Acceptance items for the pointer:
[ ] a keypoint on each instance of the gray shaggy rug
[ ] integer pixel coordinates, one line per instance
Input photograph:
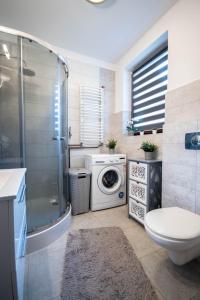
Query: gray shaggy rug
(100, 264)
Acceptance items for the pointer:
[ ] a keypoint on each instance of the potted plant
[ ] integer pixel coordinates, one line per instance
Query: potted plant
(111, 144)
(149, 149)
(131, 127)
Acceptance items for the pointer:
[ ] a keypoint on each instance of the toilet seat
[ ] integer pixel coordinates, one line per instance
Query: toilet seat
(177, 230)
(173, 223)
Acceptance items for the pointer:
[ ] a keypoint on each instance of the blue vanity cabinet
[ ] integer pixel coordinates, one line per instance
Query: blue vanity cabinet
(13, 243)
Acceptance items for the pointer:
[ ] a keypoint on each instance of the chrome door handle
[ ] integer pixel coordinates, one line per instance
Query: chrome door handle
(54, 138)
(62, 138)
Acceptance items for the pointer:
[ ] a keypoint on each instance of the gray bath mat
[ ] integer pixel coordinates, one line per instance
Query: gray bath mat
(100, 264)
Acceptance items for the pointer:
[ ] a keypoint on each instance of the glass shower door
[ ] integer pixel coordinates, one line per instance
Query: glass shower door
(64, 138)
(43, 135)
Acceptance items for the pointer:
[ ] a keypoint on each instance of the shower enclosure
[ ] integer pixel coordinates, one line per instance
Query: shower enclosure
(33, 125)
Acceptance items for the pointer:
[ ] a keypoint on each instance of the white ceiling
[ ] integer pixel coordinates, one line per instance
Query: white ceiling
(104, 31)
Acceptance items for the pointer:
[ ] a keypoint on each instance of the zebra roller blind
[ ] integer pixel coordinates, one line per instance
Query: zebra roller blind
(91, 116)
(149, 86)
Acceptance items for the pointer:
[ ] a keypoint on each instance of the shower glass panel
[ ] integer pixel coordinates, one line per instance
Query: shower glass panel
(33, 125)
(10, 96)
(44, 142)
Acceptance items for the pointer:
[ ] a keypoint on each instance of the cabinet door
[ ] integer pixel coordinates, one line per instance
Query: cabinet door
(20, 272)
(20, 263)
(138, 191)
(138, 171)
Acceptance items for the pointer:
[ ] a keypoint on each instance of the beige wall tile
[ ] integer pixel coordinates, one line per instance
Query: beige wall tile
(179, 174)
(183, 113)
(77, 156)
(176, 195)
(180, 165)
(198, 189)
(176, 153)
(175, 132)
(185, 94)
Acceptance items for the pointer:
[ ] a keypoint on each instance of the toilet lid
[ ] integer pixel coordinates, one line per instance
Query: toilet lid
(173, 222)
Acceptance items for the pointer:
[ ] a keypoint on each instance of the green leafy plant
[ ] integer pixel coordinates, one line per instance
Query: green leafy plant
(111, 144)
(148, 146)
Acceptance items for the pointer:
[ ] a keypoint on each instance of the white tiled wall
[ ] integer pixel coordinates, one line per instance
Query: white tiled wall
(79, 74)
(85, 74)
(77, 156)
(181, 176)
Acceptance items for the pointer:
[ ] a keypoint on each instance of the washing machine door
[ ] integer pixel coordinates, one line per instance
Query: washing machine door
(110, 180)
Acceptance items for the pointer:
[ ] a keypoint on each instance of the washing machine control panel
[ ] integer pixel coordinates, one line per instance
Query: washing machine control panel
(114, 161)
(117, 160)
(109, 159)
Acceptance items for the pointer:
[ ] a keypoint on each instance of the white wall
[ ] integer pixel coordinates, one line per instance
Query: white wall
(80, 73)
(182, 22)
(84, 70)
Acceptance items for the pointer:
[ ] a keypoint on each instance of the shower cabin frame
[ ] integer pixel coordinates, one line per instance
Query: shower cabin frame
(45, 235)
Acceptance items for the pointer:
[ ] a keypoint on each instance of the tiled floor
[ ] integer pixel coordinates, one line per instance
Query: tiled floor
(44, 267)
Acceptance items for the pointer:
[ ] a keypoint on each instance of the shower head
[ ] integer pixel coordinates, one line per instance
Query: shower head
(28, 72)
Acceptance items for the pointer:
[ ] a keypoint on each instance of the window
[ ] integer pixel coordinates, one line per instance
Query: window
(149, 86)
(91, 116)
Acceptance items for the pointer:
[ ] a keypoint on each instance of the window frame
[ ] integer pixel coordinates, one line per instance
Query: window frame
(141, 64)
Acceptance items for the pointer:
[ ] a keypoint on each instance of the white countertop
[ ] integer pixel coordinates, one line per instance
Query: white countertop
(10, 180)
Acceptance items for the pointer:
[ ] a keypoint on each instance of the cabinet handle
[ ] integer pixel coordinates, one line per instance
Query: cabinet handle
(24, 242)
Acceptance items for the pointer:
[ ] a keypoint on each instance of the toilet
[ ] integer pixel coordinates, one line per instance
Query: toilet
(177, 230)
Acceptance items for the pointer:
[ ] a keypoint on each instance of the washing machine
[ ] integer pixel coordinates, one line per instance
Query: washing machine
(108, 183)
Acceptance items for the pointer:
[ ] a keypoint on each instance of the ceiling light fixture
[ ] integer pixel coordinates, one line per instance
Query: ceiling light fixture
(96, 1)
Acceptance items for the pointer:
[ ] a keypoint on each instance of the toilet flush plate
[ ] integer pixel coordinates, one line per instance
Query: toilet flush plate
(192, 141)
